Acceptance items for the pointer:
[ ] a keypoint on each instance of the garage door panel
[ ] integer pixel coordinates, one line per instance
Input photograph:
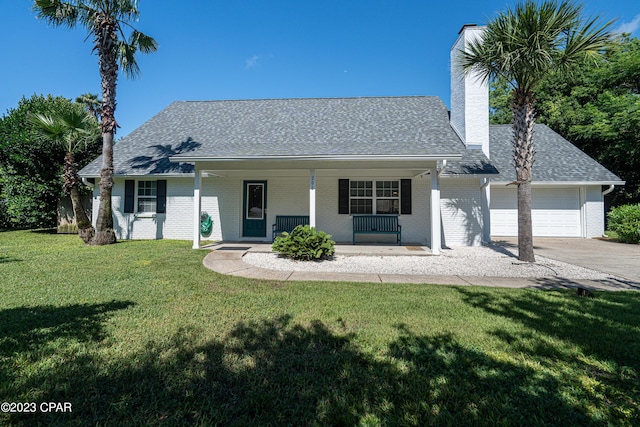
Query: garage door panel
(555, 212)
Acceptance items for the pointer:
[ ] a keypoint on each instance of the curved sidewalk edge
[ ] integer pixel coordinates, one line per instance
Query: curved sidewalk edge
(231, 263)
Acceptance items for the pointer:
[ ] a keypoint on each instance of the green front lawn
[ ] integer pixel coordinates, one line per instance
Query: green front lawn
(141, 333)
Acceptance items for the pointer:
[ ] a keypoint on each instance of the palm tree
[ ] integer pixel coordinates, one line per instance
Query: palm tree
(106, 21)
(71, 130)
(523, 45)
(91, 104)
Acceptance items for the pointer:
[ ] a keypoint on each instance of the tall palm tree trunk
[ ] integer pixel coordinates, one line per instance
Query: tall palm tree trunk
(523, 124)
(72, 183)
(106, 44)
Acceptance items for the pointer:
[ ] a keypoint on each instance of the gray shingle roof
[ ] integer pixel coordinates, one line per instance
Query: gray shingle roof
(473, 162)
(407, 126)
(556, 159)
(387, 126)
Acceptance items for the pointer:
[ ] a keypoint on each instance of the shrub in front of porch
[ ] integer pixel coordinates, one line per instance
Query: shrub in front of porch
(305, 243)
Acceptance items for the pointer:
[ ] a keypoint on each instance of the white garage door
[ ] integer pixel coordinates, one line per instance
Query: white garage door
(555, 211)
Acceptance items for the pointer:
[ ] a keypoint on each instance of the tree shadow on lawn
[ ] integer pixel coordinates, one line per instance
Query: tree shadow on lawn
(24, 329)
(599, 337)
(606, 326)
(29, 335)
(275, 372)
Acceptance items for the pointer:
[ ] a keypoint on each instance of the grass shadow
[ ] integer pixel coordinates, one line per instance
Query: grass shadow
(593, 325)
(598, 338)
(276, 372)
(31, 329)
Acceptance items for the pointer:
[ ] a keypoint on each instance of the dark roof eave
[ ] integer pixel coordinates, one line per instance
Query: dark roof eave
(471, 174)
(560, 183)
(354, 157)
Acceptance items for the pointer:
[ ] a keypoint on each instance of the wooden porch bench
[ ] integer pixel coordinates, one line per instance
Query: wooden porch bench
(377, 224)
(287, 223)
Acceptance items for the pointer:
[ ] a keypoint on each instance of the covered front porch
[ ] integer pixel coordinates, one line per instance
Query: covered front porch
(247, 195)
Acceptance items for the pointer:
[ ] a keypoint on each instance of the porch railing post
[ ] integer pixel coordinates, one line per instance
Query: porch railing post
(312, 197)
(197, 203)
(436, 241)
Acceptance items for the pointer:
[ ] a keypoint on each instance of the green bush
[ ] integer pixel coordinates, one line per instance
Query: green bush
(625, 221)
(305, 243)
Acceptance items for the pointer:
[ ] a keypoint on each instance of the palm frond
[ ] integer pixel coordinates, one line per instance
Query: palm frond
(92, 14)
(46, 126)
(57, 12)
(127, 57)
(70, 129)
(589, 39)
(127, 10)
(526, 42)
(143, 42)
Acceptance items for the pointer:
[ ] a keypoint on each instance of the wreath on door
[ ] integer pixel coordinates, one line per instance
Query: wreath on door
(206, 224)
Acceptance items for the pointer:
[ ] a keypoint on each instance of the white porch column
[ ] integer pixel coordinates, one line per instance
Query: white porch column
(197, 203)
(436, 241)
(312, 197)
(485, 194)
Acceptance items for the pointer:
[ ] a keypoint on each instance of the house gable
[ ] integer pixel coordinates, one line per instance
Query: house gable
(351, 128)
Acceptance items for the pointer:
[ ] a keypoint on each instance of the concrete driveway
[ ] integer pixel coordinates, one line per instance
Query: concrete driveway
(619, 259)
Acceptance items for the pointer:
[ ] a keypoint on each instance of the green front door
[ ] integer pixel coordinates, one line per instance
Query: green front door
(254, 215)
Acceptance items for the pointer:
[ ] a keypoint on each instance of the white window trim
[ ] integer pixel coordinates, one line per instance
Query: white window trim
(374, 196)
(145, 214)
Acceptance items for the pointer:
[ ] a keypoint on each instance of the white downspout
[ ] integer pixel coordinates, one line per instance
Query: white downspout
(86, 182)
(444, 165)
(604, 193)
(485, 194)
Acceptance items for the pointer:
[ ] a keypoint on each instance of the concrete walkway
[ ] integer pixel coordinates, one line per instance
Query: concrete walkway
(227, 259)
(618, 259)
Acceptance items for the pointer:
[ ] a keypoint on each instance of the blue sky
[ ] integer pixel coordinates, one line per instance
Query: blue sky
(249, 49)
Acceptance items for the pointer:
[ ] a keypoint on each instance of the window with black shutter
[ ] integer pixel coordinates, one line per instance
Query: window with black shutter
(129, 195)
(343, 196)
(149, 197)
(366, 197)
(162, 196)
(405, 196)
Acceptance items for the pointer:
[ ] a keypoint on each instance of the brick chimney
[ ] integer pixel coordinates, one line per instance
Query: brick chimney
(469, 96)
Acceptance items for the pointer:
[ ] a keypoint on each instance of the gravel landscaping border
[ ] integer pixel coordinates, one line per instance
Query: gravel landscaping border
(460, 261)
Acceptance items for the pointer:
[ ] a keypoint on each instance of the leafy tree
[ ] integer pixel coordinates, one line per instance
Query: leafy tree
(597, 108)
(73, 130)
(500, 102)
(30, 167)
(522, 45)
(106, 21)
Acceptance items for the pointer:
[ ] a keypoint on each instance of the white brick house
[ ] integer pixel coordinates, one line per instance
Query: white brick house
(443, 175)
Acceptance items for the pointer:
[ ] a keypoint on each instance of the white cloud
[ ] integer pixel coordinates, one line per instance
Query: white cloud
(252, 62)
(629, 27)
